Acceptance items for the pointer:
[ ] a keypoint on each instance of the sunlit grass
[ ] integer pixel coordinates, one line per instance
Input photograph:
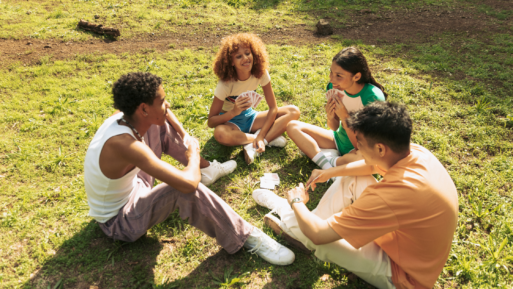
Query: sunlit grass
(457, 89)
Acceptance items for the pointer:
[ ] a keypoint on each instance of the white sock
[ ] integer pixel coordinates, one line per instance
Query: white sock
(322, 161)
(333, 161)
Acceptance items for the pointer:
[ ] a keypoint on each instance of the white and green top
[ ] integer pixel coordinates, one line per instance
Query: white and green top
(367, 95)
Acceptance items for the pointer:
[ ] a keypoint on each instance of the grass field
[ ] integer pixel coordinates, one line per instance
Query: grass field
(457, 88)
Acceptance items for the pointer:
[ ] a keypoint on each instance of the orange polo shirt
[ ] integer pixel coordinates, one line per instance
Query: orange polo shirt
(411, 214)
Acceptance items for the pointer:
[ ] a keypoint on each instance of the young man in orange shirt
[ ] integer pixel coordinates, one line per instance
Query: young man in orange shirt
(396, 233)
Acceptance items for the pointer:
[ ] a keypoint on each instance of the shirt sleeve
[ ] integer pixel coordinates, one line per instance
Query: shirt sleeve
(373, 94)
(265, 79)
(221, 91)
(365, 220)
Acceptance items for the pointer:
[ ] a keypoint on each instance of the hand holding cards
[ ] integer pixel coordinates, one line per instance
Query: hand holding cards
(254, 97)
(334, 93)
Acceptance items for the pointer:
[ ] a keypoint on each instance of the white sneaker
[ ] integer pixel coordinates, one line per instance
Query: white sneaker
(267, 248)
(281, 229)
(270, 200)
(279, 142)
(216, 170)
(250, 153)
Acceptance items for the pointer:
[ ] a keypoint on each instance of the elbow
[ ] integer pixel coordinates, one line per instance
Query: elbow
(210, 123)
(316, 241)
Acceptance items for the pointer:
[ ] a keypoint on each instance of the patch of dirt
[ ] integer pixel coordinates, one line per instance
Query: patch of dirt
(400, 26)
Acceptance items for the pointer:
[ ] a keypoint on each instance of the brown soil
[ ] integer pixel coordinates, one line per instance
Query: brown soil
(400, 26)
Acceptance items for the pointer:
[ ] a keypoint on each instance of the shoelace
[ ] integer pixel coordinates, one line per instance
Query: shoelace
(218, 166)
(273, 246)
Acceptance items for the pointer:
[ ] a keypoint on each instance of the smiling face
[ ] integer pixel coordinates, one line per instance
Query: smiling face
(242, 60)
(342, 79)
(158, 110)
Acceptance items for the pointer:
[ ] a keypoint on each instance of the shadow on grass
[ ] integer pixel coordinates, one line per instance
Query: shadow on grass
(90, 258)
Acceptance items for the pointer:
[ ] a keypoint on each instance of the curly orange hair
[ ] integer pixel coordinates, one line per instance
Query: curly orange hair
(223, 66)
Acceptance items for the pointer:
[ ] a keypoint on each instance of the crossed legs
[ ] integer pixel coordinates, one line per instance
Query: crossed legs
(229, 134)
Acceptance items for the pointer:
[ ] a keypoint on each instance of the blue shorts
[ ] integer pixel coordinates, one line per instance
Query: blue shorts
(244, 121)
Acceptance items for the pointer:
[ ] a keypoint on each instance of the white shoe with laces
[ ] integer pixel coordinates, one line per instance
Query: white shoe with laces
(270, 200)
(267, 248)
(216, 170)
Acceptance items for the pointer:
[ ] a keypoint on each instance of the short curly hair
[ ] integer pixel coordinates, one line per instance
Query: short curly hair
(223, 66)
(132, 89)
(383, 122)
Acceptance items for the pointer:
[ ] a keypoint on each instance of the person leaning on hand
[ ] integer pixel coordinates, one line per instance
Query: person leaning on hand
(396, 233)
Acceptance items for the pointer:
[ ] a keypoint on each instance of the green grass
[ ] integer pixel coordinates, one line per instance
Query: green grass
(457, 89)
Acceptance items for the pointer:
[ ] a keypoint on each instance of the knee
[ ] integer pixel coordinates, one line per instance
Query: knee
(294, 125)
(221, 135)
(293, 111)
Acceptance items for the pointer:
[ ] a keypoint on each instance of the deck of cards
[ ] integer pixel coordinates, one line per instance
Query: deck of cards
(254, 97)
(269, 181)
(333, 92)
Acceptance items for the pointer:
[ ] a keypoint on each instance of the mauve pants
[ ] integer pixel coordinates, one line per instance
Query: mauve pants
(149, 206)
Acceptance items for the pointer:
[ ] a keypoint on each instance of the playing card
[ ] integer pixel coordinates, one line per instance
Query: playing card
(266, 184)
(333, 92)
(254, 97)
(273, 177)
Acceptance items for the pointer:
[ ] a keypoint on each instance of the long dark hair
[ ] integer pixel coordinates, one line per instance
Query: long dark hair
(351, 59)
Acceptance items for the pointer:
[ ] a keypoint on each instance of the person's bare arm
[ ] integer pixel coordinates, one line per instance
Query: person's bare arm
(140, 155)
(214, 119)
(269, 120)
(357, 168)
(333, 120)
(343, 115)
(314, 228)
(175, 123)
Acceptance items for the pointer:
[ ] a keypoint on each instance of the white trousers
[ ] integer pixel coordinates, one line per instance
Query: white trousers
(370, 262)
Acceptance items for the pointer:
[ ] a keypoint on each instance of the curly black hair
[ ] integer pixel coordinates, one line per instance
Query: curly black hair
(134, 88)
(383, 122)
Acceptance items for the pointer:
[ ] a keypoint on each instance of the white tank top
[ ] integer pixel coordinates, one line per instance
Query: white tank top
(106, 196)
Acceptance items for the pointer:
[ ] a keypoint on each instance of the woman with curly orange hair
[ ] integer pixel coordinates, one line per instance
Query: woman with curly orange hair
(241, 65)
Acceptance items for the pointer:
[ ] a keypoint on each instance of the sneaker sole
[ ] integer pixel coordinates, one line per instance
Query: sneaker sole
(278, 231)
(247, 158)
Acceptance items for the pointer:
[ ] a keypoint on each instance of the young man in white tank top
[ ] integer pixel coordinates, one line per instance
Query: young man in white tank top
(123, 161)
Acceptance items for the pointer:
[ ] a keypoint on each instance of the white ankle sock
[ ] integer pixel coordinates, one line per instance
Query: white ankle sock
(322, 161)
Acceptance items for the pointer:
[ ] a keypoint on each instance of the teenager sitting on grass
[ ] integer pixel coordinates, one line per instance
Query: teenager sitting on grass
(396, 232)
(123, 161)
(241, 65)
(350, 73)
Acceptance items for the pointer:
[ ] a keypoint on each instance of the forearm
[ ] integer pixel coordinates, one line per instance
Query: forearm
(218, 119)
(333, 123)
(192, 173)
(175, 123)
(358, 168)
(271, 117)
(350, 133)
(313, 227)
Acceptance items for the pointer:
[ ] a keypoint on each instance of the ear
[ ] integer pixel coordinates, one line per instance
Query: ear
(142, 109)
(357, 76)
(381, 149)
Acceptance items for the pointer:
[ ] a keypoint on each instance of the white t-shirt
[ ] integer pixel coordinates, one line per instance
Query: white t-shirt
(228, 91)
